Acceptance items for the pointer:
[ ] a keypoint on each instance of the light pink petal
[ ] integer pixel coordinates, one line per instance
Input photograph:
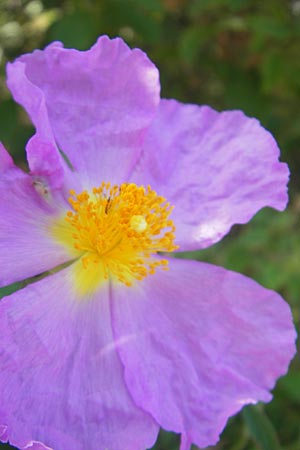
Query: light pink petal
(26, 247)
(218, 169)
(199, 342)
(95, 105)
(61, 379)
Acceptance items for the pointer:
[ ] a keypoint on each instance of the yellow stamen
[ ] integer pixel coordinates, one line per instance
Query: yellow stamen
(115, 231)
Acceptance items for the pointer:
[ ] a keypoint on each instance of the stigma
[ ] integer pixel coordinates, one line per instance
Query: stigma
(116, 232)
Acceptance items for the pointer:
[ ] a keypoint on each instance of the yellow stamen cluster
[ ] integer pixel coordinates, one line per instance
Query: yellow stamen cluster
(120, 228)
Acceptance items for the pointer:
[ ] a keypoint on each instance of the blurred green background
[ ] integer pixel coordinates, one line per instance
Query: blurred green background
(230, 54)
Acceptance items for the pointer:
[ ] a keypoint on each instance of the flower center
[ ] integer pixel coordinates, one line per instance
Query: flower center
(117, 230)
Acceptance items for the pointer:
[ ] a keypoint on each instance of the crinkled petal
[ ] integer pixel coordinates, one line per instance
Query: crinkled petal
(95, 105)
(61, 378)
(218, 169)
(197, 343)
(26, 247)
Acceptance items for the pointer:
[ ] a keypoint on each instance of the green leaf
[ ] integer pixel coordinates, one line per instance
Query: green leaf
(7, 290)
(260, 428)
(290, 385)
(76, 30)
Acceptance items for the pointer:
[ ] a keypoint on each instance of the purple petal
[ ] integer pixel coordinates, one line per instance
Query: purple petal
(26, 247)
(3, 433)
(47, 163)
(218, 169)
(38, 154)
(6, 161)
(199, 342)
(95, 105)
(62, 377)
(34, 445)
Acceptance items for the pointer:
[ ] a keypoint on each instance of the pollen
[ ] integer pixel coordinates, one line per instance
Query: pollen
(117, 231)
(138, 223)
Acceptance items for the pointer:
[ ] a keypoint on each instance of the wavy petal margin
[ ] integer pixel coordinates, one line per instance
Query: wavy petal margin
(94, 105)
(198, 343)
(217, 169)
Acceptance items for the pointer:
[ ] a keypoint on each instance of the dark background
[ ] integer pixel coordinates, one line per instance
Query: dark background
(230, 54)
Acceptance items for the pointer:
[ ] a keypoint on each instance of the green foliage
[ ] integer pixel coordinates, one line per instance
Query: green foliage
(260, 428)
(226, 53)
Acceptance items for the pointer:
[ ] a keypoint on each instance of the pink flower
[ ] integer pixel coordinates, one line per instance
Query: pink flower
(118, 340)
